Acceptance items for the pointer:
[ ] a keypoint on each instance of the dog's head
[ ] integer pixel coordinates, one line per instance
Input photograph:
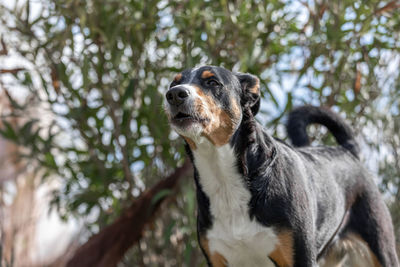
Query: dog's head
(209, 102)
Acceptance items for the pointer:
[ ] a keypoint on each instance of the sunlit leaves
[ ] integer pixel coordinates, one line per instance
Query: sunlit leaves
(101, 68)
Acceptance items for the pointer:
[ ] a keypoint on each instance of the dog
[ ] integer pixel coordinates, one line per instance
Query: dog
(262, 202)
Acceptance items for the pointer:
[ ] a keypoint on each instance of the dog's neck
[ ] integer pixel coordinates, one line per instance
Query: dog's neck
(251, 140)
(248, 140)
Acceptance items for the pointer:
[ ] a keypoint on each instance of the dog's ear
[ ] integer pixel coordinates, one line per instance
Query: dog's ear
(250, 91)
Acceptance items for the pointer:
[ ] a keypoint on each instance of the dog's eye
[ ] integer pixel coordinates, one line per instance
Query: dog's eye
(212, 82)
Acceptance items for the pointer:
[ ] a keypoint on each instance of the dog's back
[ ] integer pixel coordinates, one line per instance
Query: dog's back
(364, 237)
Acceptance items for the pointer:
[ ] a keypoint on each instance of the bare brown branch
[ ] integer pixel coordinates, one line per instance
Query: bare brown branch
(12, 71)
(4, 50)
(388, 7)
(106, 248)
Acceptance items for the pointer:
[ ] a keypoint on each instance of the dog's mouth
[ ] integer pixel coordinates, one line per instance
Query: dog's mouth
(183, 119)
(183, 116)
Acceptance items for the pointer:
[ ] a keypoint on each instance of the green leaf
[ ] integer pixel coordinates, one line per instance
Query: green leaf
(128, 91)
(8, 132)
(160, 195)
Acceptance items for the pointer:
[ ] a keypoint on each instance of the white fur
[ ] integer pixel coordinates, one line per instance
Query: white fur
(243, 242)
(195, 129)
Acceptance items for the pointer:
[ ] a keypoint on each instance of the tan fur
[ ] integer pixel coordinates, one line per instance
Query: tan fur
(283, 253)
(256, 88)
(178, 77)
(216, 259)
(221, 126)
(235, 108)
(190, 142)
(207, 74)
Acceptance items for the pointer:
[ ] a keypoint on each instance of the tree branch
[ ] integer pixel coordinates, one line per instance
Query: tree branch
(106, 248)
(12, 71)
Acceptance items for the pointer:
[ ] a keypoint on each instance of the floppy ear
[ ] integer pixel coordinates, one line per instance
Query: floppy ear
(250, 91)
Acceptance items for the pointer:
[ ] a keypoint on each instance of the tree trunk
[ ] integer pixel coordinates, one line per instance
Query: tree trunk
(106, 248)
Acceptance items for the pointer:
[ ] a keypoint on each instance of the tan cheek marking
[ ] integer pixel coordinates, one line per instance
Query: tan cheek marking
(216, 259)
(283, 253)
(220, 131)
(178, 77)
(220, 127)
(256, 88)
(207, 74)
(190, 142)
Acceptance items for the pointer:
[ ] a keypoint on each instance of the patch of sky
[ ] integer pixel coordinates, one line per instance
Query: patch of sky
(347, 26)
(91, 122)
(78, 39)
(349, 95)
(117, 194)
(133, 126)
(106, 138)
(150, 149)
(137, 166)
(164, 84)
(174, 52)
(349, 14)
(9, 192)
(394, 109)
(136, 152)
(118, 153)
(147, 100)
(105, 202)
(94, 98)
(321, 64)
(145, 141)
(60, 109)
(166, 18)
(115, 96)
(110, 157)
(101, 113)
(144, 130)
(299, 11)
(108, 123)
(122, 140)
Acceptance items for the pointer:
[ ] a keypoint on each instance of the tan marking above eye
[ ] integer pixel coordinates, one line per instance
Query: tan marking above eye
(256, 88)
(283, 253)
(216, 259)
(178, 77)
(207, 74)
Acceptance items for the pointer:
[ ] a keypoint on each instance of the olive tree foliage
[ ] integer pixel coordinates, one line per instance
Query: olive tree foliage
(100, 69)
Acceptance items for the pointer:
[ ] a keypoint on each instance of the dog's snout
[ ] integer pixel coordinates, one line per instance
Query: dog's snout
(177, 95)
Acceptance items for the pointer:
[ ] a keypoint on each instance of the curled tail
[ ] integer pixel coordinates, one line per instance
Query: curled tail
(301, 117)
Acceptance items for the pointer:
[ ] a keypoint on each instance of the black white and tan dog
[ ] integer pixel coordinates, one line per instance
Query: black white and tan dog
(262, 202)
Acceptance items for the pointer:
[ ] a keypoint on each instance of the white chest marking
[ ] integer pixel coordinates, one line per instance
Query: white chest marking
(243, 242)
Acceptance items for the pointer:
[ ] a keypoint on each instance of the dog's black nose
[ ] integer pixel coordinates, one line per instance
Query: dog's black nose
(177, 95)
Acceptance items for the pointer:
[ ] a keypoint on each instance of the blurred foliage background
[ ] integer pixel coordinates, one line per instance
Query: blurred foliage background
(83, 98)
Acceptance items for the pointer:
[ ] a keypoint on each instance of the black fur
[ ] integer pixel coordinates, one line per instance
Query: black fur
(318, 193)
(301, 117)
(249, 99)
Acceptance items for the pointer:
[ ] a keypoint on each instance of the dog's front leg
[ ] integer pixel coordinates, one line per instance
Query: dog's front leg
(294, 249)
(304, 249)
